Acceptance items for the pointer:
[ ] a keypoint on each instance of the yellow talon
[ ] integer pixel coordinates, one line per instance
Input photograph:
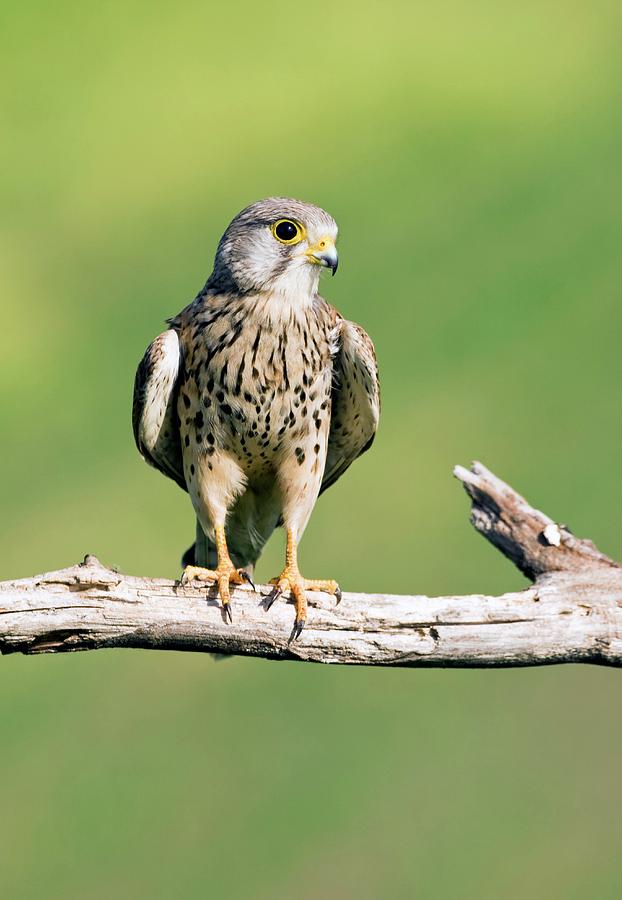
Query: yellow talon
(224, 575)
(291, 580)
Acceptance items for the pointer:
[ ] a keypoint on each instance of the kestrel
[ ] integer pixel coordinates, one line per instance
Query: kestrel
(259, 396)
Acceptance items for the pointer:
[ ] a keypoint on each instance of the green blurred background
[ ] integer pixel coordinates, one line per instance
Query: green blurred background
(471, 155)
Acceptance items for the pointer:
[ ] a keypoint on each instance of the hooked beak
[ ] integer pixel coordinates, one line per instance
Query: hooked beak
(324, 253)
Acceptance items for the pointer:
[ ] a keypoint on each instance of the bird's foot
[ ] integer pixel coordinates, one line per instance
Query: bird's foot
(291, 580)
(223, 576)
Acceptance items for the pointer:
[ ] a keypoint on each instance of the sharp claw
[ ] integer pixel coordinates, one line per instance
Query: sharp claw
(276, 593)
(299, 624)
(338, 594)
(226, 608)
(246, 577)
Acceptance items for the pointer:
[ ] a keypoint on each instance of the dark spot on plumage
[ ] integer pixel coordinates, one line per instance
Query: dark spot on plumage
(207, 402)
(186, 400)
(187, 440)
(223, 374)
(192, 468)
(211, 451)
(248, 397)
(256, 344)
(318, 423)
(226, 409)
(303, 411)
(237, 331)
(300, 455)
(316, 449)
(199, 421)
(281, 430)
(255, 373)
(257, 408)
(199, 437)
(210, 385)
(238, 378)
(220, 396)
(209, 466)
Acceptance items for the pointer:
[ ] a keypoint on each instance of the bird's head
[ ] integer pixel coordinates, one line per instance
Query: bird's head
(278, 245)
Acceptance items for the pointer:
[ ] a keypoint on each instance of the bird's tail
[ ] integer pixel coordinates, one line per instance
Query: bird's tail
(203, 553)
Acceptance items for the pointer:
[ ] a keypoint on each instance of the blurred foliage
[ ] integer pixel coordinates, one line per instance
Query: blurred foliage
(471, 154)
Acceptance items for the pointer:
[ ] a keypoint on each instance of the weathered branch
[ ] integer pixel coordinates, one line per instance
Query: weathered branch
(571, 613)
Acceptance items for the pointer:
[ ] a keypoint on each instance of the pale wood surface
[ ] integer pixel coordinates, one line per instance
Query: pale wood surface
(571, 613)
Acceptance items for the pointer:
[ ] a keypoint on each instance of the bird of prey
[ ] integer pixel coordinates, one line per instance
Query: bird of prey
(259, 396)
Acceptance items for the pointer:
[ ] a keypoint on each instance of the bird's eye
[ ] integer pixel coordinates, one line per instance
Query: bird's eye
(287, 232)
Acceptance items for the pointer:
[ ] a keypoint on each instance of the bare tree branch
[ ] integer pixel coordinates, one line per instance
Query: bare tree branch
(571, 613)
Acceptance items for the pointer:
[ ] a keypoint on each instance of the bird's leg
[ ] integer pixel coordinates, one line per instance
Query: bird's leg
(291, 580)
(223, 575)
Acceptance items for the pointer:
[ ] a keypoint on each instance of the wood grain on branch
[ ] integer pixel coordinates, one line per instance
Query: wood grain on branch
(571, 613)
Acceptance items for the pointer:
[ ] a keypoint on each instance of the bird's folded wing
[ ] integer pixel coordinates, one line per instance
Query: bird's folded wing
(355, 400)
(154, 411)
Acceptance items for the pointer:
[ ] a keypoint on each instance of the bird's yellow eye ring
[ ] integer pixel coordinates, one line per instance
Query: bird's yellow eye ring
(286, 231)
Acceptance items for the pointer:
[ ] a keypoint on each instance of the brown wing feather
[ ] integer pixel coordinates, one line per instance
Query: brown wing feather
(355, 401)
(154, 410)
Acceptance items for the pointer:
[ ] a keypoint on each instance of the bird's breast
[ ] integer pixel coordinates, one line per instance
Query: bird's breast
(258, 387)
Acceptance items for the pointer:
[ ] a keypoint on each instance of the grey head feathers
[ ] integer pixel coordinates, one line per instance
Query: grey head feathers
(251, 259)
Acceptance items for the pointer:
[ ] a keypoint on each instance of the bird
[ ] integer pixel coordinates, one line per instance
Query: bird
(258, 397)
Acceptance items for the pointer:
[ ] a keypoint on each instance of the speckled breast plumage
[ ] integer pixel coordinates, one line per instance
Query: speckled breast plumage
(254, 382)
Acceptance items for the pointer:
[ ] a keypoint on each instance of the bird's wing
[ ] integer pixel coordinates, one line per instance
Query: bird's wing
(154, 411)
(355, 400)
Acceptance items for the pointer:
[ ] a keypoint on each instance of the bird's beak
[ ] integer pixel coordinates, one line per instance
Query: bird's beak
(324, 253)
